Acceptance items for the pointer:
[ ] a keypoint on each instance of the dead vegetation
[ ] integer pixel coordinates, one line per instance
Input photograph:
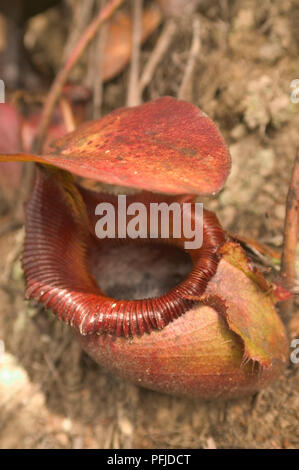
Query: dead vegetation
(57, 396)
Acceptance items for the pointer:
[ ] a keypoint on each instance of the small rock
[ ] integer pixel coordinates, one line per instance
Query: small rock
(244, 20)
(281, 110)
(210, 443)
(266, 159)
(125, 426)
(67, 425)
(270, 53)
(238, 132)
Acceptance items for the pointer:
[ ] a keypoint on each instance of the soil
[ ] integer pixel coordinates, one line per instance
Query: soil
(52, 395)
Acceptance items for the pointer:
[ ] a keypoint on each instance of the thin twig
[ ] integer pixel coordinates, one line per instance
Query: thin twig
(133, 96)
(291, 226)
(185, 91)
(67, 114)
(157, 54)
(62, 76)
(99, 49)
(81, 16)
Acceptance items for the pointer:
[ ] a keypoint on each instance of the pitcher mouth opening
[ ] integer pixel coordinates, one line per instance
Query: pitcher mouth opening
(135, 271)
(59, 247)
